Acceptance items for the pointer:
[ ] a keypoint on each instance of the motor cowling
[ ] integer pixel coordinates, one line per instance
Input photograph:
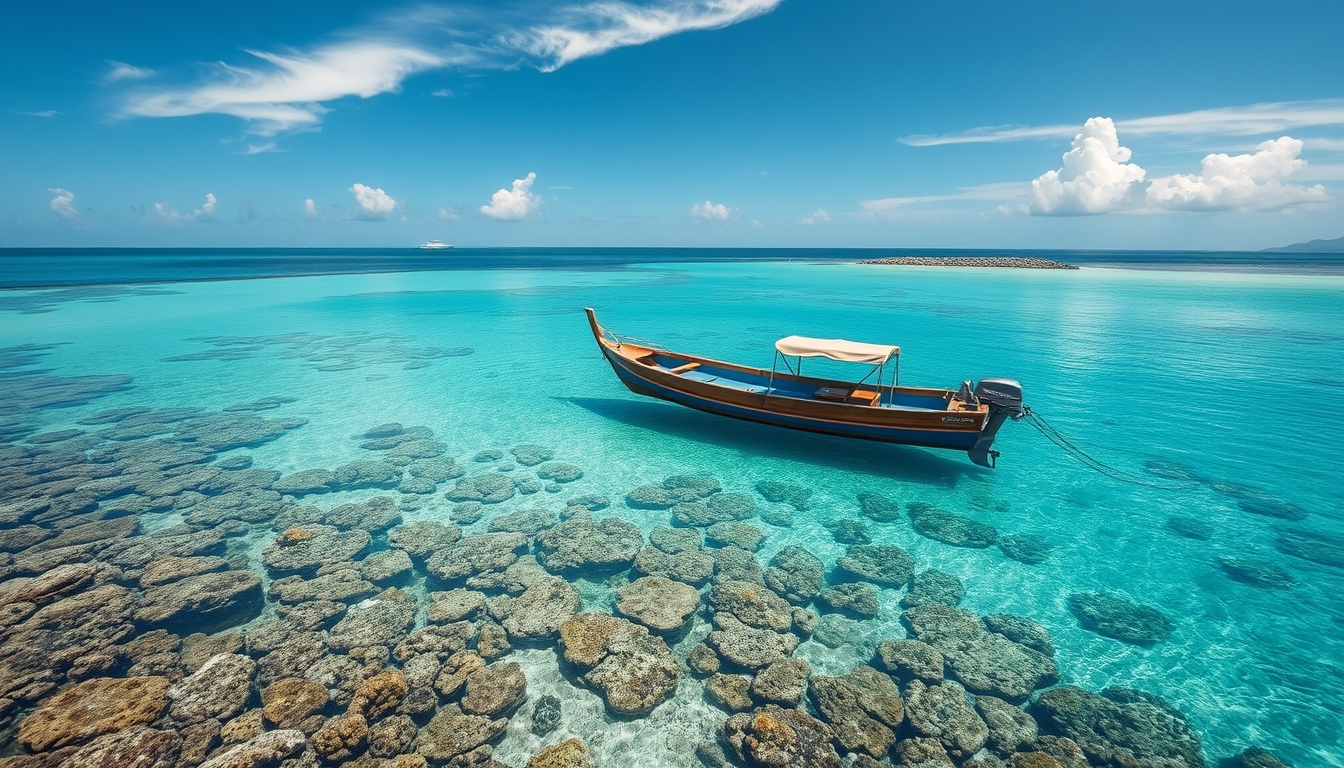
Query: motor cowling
(1005, 393)
(1004, 398)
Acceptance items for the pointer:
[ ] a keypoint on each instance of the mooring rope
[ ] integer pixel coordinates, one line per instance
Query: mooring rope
(1115, 473)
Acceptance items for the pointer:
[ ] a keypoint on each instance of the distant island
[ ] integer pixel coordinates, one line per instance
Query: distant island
(1009, 262)
(1315, 246)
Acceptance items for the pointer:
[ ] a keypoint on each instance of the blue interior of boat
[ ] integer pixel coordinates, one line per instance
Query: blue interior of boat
(757, 384)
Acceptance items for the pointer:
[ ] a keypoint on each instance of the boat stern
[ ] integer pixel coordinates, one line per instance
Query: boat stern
(1004, 398)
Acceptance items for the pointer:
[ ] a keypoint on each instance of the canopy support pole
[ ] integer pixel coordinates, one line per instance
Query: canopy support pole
(773, 365)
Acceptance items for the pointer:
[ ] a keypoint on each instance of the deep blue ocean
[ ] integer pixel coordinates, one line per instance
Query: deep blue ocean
(1213, 378)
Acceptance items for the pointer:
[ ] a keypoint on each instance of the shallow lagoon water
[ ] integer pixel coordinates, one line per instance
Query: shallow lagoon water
(1232, 375)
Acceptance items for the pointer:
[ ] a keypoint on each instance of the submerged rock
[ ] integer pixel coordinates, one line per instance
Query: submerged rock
(559, 472)
(206, 603)
(743, 535)
(933, 588)
(986, 662)
(381, 621)
(1121, 619)
(752, 604)
(546, 715)
(662, 605)
(287, 703)
(488, 488)
(693, 567)
(950, 528)
(781, 738)
(1259, 502)
(779, 492)
(795, 574)
(531, 455)
(538, 613)
(137, 747)
(268, 748)
(424, 538)
(847, 530)
(1010, 729)
(580, 542)
(737, 564)
(1314, 546)
(1191, 527)
(1025, 548)
(495, 690)
(1256, 573)
(875, 506)
(307, 548)
(1121, 726)
(93, 708)
(341, 738)
(884, 565)
(633, 670)
(218, 690)
(376, 514)
(941, 712)
(748, 647)
(855, 729)
(782, 682)
(569, 753)
(729, 691)
(719, 508)
(476, 555)
(856, 598)
(908, 660)
(452, 733)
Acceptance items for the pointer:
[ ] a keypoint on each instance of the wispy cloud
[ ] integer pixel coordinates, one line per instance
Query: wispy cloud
(1012, 190)
(513, 204)
(120, 71)
(287, 92)
(1253, 120)
(42, 113)
(819, 216)
(595, 28)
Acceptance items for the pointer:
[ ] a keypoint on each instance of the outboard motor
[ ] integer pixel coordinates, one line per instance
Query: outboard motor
(1004, 398)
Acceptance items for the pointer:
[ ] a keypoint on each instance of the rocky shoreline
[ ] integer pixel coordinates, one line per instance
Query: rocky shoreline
(1009, 262)
(166, 604)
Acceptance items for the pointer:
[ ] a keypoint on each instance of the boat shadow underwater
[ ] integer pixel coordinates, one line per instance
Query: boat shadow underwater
(887, 461)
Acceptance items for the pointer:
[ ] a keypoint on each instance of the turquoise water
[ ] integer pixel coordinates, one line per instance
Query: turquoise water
(1235, 375)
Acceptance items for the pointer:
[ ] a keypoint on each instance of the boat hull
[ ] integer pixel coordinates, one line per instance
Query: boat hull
(743, 394)
(962, 440)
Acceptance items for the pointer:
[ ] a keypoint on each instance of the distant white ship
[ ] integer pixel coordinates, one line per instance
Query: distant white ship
(434, 245)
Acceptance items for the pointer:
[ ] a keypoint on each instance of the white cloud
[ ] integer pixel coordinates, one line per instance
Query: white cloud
(1097, 177)
(448, 214)
(443, 93)
(756, 224)
(374, 204)
(120, 71)
(167, 214)
(819, 216)
(43, 113)
(63, 204)
(1253, 120)
(309, 208)
(1248, 182)
(287, 94)
(595, 28)
(207, 209)
(513, 204)
(712, 212)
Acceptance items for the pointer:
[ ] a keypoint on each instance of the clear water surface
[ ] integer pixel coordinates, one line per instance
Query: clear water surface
(1238, 375)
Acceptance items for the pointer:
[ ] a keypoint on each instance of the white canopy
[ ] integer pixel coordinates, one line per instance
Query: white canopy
(836, 349)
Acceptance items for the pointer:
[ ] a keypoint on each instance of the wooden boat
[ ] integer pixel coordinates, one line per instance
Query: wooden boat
(966, 419)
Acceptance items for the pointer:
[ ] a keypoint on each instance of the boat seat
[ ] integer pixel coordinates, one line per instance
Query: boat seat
(680, 369)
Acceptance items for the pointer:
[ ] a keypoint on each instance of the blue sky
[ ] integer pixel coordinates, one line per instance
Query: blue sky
(976, 124)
